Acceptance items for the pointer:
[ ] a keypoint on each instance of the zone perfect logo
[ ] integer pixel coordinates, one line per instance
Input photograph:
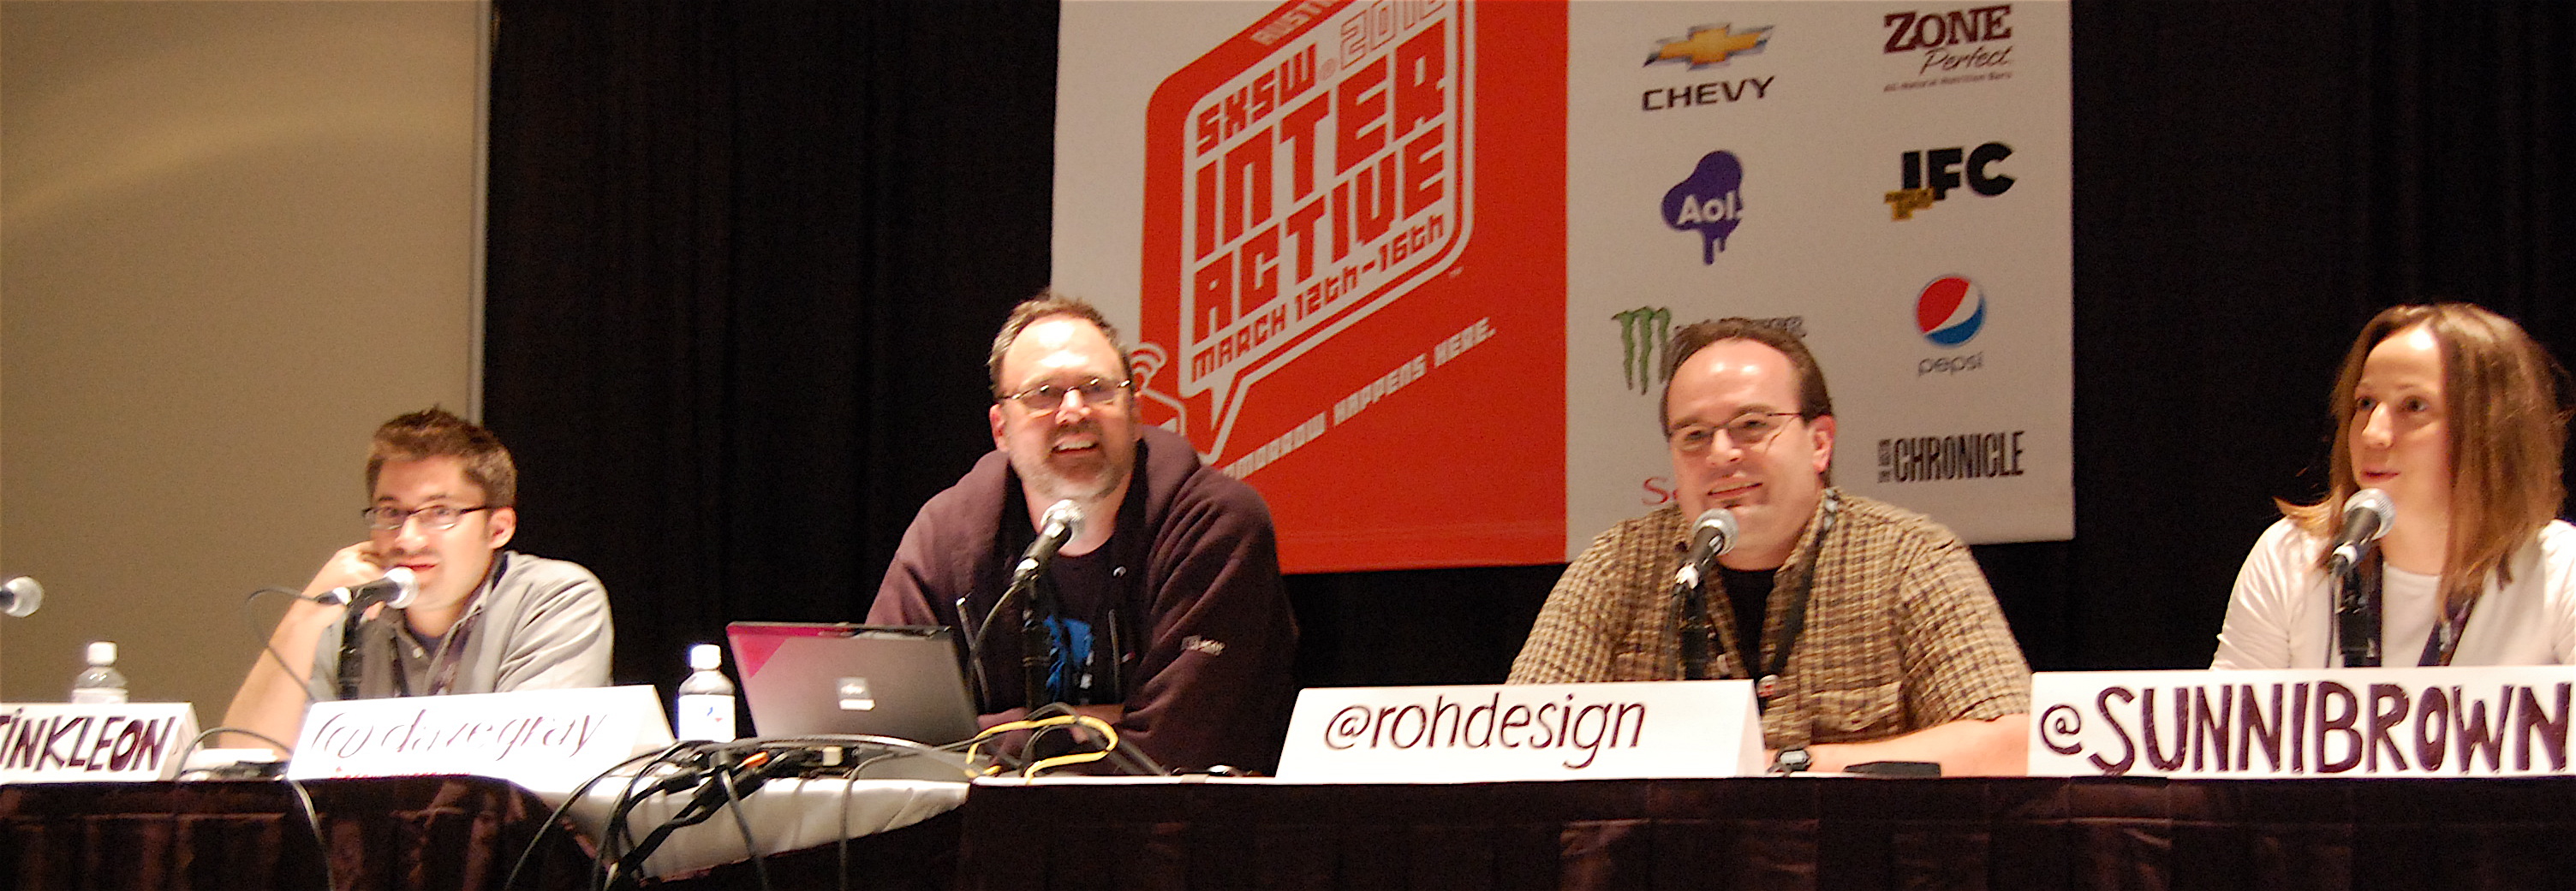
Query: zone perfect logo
(1950, 311)
(1710, 200)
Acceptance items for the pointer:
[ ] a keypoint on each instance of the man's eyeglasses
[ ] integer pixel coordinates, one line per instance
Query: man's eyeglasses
(435, 518)
(1748, 431)
(1047, 397)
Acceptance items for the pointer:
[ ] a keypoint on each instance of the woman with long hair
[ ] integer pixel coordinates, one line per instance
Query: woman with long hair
(2456, 415)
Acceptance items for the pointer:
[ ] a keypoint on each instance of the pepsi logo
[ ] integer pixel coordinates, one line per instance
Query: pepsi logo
(1950, 310)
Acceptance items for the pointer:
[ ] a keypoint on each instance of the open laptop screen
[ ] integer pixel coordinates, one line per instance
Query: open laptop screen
(805, 679)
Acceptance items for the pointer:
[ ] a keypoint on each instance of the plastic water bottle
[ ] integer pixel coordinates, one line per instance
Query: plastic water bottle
(100, 683)
(706, 698)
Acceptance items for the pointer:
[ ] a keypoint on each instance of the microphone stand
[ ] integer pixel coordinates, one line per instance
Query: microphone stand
(349, 648)
(1037, 643)
(2357, 614)
(1691, 596)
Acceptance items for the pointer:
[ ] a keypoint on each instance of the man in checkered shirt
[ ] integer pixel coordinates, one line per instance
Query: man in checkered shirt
(1878, 638)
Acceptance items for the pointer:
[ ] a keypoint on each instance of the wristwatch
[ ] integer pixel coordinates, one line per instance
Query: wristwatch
(1792, 760)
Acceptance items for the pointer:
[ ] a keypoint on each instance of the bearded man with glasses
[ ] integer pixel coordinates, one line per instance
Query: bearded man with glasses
(1868, 629)
(482, 620)
(1164, 613)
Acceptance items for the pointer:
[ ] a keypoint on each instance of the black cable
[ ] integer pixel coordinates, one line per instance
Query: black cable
(557, 817)
(759, 858)
(303, 682)
(606, 865)
(303, 798)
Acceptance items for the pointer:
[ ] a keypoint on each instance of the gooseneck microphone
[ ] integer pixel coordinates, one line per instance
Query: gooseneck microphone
(1061, 522)
(1058, 525)
(20, 596)
(397, 589)
(2367, 515)
(1712, 535)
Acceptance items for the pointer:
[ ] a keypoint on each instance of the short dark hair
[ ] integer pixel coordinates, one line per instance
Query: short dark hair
(1046, 305)
(1813, 400)
(433, 432)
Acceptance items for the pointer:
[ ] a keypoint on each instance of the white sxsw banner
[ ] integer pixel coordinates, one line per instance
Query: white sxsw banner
(57, 743)
(1354, 239)
(1498, 733)
(543, 739)
(2323, 722)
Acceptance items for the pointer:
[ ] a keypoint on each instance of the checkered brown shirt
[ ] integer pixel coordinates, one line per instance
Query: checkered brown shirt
(1902, 632)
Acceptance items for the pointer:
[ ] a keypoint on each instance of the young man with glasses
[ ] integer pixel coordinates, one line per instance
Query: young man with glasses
(1868, 629)
(1165, 612)
(483, 619)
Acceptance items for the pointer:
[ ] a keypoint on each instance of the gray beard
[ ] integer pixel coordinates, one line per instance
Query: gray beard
(1043, 485)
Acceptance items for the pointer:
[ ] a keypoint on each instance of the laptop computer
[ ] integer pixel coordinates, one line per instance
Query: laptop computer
(806, 679)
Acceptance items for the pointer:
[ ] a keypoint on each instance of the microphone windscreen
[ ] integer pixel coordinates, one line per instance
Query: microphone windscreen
(406, 587)
(2375, 503)
(20, 596)
(1065, 514)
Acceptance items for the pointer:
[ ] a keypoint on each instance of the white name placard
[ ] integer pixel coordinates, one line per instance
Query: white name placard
(541, 739)
(2327, 722)
(1490, 733)
(56, 743)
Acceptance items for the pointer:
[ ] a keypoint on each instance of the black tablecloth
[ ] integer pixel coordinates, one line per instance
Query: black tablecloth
(401, 833)
(1833, 833)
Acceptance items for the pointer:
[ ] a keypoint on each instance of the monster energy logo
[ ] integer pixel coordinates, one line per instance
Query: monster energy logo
(1644, 333)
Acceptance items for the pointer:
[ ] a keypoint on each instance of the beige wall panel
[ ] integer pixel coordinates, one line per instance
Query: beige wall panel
(234, 237)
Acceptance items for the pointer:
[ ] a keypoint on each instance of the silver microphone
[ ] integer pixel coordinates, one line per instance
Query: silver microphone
(2367, 515)
(1712, 535)
(1061, 522)
(397, 589)
(20, 596)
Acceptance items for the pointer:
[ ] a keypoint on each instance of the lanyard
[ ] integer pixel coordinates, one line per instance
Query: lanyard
(2445, 639)
(1696, 627)
(2357, 621)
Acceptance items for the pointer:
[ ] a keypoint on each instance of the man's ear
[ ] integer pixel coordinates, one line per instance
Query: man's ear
(993, 414)
(1821, 430)
(503, 525)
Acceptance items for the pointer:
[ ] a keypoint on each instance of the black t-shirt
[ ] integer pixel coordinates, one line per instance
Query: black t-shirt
(1750, 592)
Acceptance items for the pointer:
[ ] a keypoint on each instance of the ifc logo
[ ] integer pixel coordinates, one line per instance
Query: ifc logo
(1950, 310)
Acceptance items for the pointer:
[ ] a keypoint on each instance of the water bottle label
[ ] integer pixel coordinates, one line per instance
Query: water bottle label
(705, 716)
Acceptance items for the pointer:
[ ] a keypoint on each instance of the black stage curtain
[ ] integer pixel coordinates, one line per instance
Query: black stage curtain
(745, 261)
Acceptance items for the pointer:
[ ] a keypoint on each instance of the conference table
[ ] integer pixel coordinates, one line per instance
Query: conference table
(1080, 833)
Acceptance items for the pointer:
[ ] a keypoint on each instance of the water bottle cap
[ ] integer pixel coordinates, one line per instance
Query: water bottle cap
(102, 652)
(705, 657)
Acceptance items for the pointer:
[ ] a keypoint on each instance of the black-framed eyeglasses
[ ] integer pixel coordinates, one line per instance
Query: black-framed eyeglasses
(1747, 431)
(1048, 397)
(434, 518)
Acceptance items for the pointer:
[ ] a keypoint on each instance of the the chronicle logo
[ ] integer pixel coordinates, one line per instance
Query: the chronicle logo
(1961, 456)
(1710, 200)
(1926, 177)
